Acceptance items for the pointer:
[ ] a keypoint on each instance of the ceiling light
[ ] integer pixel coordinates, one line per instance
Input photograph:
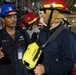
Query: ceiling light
(74, 5)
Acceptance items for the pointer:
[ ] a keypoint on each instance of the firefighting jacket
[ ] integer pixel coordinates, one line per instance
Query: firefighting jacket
(10, 65)
(58, 56)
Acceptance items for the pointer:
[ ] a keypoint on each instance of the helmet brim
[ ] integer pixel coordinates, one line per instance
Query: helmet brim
(9, 13)
(12, 13)
(62, 11)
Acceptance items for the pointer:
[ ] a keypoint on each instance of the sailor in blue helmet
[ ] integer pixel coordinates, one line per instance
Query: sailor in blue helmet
(12, 44)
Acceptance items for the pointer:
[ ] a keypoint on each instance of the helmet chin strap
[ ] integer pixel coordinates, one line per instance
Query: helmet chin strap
(54, 19)
(29, 27)
(50, 18)
(48, 24)
(50, 21)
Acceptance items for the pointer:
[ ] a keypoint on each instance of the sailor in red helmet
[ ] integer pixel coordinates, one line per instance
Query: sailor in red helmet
(58, 57)
(41, 23)
(29, 23)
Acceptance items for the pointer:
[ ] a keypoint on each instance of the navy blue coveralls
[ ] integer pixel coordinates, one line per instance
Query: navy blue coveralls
(10, 65)
(58, 56)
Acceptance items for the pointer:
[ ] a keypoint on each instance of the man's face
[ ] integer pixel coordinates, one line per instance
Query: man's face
(10, 21)
(42, 16)
(56, 16)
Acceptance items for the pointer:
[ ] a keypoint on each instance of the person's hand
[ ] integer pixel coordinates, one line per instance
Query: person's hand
(39, 70)
(1, 53)
(74, 68)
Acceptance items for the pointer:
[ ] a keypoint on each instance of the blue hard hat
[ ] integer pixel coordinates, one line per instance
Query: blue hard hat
(7, 10)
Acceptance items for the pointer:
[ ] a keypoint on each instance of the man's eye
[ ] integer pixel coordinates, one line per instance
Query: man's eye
(12, 16)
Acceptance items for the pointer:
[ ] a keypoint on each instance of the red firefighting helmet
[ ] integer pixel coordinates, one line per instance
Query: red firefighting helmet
(29, 18)
(55, 5)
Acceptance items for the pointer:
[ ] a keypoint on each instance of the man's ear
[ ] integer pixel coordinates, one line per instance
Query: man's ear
(3, 23)
(2, 19)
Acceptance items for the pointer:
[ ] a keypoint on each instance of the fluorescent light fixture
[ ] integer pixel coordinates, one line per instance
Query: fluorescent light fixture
(74, 5)
(33, 3)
